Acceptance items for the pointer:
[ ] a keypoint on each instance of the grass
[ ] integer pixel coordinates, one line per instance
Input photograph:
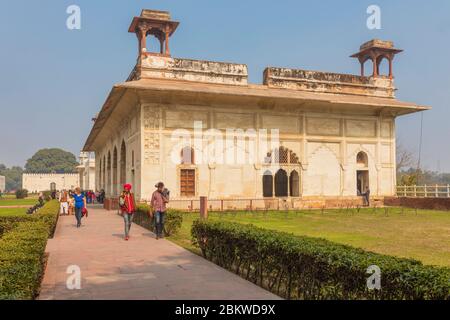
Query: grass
(424, 236)
(10, 212)
(10, 201)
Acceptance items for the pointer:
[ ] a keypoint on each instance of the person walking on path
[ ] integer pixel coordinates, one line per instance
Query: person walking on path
(64, 202)
(127, 207)
(159, 200)
(80, 204)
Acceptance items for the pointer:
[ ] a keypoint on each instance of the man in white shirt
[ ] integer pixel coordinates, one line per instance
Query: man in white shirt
(64, 202)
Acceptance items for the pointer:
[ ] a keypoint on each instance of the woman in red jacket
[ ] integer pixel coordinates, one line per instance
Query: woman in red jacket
(128, 207)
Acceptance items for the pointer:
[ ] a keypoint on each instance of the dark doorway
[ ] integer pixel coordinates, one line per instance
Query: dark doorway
(362, 181)
(294, 184)
(281, 184)
(267, 184)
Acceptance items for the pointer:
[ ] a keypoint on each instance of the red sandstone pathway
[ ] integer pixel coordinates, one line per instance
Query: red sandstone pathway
(143, 268)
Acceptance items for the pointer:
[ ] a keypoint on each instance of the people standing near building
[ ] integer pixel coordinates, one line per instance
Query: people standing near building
(64, 202)
(367, 196)
(159, 200)
(80, 204)
(127, 207)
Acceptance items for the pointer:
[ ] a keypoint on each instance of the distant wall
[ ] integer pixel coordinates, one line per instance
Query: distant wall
(2, 184)
(36, 182)
(419, 203)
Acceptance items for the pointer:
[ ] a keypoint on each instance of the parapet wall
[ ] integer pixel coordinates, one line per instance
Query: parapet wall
(156, 66)
(326, 82)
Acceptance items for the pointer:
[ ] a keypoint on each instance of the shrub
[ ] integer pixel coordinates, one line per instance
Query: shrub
(173, 219)
(22, 251)
(297, 267)
(21, 193)
(47, 195)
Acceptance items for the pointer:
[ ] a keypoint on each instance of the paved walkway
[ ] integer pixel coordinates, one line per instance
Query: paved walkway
(143, 268)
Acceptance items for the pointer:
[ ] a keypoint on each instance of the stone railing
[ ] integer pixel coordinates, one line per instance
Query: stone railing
(326, 82)
(162, 67)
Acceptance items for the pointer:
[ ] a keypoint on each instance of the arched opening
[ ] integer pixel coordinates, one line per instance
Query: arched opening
(294, 184)
(108, 174)
(99, 175)
(383, 66)
(362, 160)
(362, 173)
(267, 184)
(281, 184)
(187, 156)
(367, 67)
(103, 182)
(123, 163)
(53, 186)
(114, 172)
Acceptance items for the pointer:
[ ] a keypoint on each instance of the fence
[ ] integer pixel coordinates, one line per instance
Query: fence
(424, 191)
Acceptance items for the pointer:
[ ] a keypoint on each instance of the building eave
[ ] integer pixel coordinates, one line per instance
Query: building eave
(252, 92)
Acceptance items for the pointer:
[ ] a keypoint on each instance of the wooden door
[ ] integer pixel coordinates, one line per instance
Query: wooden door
(187, 183)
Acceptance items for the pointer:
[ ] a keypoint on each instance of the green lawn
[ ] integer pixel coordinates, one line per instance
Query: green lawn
(7, 212)
(424, 236)
(10, 201)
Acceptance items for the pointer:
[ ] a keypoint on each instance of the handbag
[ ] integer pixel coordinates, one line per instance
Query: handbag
(84, 212)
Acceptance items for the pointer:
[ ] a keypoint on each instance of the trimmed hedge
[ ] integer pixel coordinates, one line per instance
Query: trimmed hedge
(296, 267)
(22, 251)
(173, 219)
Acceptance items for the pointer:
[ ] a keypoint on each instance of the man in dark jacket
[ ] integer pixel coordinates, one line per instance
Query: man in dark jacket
(367, 197)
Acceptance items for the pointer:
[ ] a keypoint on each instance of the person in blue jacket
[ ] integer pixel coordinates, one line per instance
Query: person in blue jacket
(80, 204)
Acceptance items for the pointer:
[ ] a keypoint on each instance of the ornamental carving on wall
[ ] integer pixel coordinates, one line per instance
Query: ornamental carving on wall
(151, 135)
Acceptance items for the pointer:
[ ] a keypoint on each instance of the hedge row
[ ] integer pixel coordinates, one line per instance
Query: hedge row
(22, 251)
(173, 219)
(296, 267)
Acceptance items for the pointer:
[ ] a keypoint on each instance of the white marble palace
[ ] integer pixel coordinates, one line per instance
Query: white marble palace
(203, 130)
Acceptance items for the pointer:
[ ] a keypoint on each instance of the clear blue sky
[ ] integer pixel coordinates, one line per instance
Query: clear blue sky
(54, 80)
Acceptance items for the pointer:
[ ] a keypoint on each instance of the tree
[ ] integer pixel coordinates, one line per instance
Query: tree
(404, 157)
(52, 161)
